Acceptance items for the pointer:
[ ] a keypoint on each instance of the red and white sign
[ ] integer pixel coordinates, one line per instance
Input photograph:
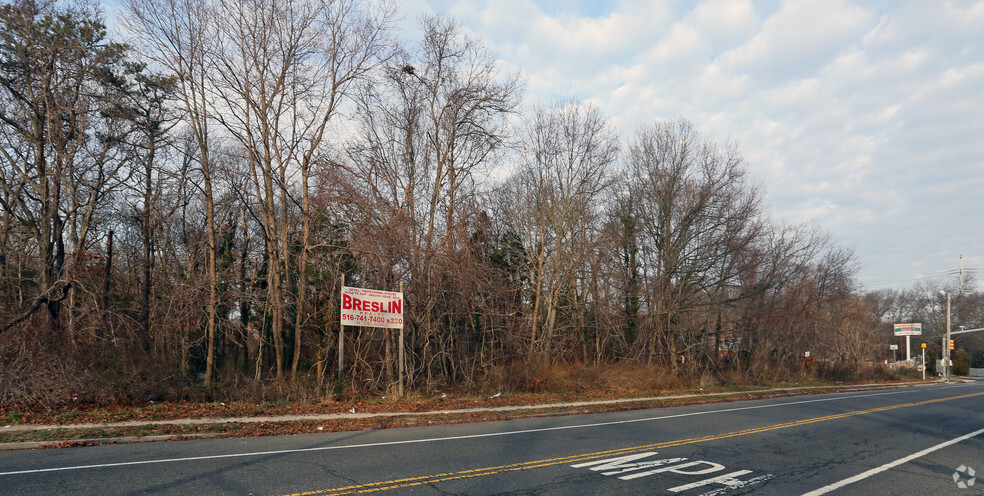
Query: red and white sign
(372, 308)
(908, 329)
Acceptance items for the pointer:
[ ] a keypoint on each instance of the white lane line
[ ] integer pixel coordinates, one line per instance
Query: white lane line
(900, 461)
(429, 440)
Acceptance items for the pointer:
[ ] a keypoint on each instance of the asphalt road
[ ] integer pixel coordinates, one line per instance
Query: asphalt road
(905, 441)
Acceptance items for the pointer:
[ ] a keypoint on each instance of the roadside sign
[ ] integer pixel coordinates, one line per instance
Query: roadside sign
(371, 308)
(908, 329)
(893, 347)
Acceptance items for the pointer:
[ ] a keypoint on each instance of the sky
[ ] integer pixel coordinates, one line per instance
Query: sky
(864, 118)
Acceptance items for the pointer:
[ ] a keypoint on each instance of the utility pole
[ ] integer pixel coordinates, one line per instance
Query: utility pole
(946, 344)
(961, 274)
(924, 360)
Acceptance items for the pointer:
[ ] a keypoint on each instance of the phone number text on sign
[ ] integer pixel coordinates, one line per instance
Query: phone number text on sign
(371, 321)
(371, 308)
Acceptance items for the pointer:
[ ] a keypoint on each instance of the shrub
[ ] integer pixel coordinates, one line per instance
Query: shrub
(961, 362)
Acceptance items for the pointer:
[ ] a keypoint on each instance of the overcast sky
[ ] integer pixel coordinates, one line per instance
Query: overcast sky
(866, 118)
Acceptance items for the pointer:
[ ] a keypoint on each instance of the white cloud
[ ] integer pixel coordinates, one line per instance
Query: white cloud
(578, 45)
(803, 34)
(862, 116)
(725, 23)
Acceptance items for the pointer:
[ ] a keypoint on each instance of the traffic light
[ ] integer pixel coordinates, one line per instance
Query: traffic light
(951, 344)
(924, 346)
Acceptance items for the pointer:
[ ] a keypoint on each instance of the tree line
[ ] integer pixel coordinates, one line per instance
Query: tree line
(179, 210)
(925, 303)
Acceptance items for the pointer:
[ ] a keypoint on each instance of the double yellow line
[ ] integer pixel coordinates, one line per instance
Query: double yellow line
(482, 472)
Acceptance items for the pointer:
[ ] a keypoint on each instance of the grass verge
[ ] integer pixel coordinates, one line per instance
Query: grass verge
(89, 427)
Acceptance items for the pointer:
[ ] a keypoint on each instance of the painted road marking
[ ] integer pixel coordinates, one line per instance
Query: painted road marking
(577, 459)
(900, 461)
(730, 482)
(628, 463)
(436, 439)
(622, 463)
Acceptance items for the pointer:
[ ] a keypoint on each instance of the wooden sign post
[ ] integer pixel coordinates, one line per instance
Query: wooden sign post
(371, 308)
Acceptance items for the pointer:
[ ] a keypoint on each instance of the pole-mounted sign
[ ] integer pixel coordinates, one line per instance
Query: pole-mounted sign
(908, 330)
(372, 308)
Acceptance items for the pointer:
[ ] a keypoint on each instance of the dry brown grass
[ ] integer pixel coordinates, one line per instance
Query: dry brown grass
(607, 378)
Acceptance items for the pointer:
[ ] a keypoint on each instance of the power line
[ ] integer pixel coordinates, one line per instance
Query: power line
(949, 272)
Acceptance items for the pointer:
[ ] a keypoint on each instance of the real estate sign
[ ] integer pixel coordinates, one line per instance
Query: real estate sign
(371, 308)
(908, 329)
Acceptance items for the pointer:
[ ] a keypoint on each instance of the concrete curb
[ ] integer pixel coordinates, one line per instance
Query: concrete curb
(25, 445)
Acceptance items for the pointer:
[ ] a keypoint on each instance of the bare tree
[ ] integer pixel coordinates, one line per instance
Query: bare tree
(178, 35)
(433, 123)
(282, 70)
(622, 231)
(697, 211)
(54, 61)
(568, 153)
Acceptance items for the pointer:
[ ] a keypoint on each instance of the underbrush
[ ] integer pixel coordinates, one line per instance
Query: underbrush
(617, 379)
(852, 372)
(537, 377)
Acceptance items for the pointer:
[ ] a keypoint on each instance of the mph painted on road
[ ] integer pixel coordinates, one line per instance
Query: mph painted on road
(630, 467)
